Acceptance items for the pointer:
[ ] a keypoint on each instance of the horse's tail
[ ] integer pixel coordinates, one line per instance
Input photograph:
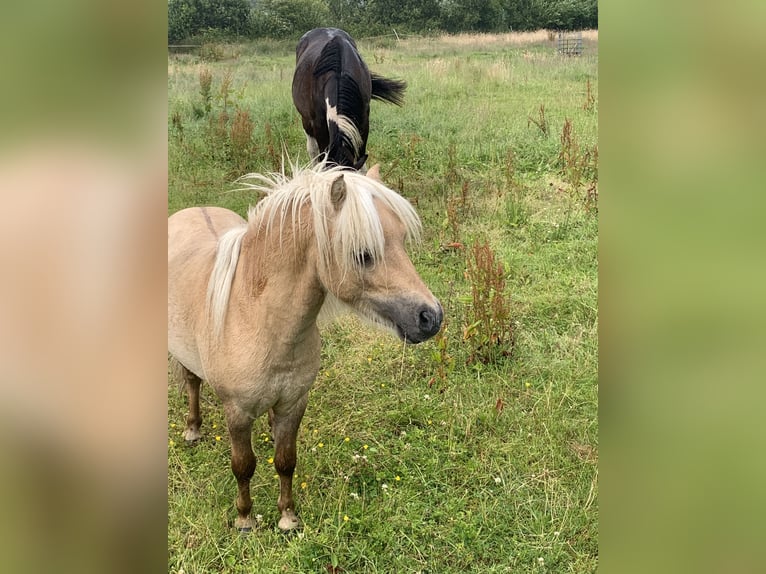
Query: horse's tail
(219, 286)
(388, 90)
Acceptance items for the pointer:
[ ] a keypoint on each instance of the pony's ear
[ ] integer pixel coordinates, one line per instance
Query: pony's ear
(338, 192)
(374, 173)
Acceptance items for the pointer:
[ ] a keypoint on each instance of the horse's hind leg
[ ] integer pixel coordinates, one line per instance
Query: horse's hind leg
(242, 463)
(284, 427)
(194, 419)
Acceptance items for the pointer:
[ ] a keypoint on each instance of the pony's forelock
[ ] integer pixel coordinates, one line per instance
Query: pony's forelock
(357, 225)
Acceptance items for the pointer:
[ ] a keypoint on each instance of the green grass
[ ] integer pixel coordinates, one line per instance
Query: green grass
(469, 466)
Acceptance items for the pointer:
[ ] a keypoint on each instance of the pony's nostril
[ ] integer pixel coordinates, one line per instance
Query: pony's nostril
(430, 320)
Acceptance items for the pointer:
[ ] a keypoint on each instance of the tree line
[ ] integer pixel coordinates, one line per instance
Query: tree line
(363, 18)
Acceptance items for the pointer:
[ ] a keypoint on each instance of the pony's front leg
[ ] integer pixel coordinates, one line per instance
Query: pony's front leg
(284, 427)
(242, 463)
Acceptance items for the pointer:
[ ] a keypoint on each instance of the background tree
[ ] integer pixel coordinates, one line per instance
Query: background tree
(288, 18)
(551, 14)
(189, 17)
(473, 16)
(403, 15)
(365, 18)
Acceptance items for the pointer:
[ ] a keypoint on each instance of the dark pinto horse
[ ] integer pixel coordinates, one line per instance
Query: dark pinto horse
(332, 88)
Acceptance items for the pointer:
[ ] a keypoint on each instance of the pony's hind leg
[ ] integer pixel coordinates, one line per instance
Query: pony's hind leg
(242, 463)
(284, 427)
(194, 419)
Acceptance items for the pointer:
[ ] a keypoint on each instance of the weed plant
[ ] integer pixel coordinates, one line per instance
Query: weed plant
(488, 331)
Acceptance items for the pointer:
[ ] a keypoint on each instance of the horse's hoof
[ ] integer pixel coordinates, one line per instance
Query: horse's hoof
(245, 530)
(289, 521)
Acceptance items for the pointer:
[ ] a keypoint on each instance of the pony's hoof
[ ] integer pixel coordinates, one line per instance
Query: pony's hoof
(192, 436)
(243, 525)
(289, 521)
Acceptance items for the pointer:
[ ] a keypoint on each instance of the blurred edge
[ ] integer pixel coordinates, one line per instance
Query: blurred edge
(82, 318)
(82, 315)
(682, 264)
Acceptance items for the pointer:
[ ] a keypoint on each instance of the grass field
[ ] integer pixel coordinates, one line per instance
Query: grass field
(476, 451)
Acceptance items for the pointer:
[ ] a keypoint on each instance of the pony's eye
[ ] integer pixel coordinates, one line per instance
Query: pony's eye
(364, 258)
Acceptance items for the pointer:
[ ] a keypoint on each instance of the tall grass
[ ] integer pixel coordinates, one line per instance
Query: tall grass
(421, 459)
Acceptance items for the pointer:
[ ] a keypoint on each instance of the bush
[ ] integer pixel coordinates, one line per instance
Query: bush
(189, 17)
(473, 16)
(288, 18)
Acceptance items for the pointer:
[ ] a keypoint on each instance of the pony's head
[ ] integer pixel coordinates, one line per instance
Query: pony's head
(361, 230)
(366, 266)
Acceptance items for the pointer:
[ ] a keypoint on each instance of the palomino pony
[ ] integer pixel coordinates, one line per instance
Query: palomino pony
(244, 296)
(332, 88)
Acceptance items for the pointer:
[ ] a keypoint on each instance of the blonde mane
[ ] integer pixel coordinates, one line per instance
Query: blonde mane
(357, 225)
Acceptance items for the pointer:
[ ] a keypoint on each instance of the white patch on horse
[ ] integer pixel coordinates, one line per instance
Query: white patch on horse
(332, 111)
(345, 125)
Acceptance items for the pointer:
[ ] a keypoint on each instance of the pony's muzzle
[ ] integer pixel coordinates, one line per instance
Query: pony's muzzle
(430, 320)
(413, 321)
(428, 323)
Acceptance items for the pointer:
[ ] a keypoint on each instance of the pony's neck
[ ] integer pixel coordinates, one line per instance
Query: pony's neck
(280, 279)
